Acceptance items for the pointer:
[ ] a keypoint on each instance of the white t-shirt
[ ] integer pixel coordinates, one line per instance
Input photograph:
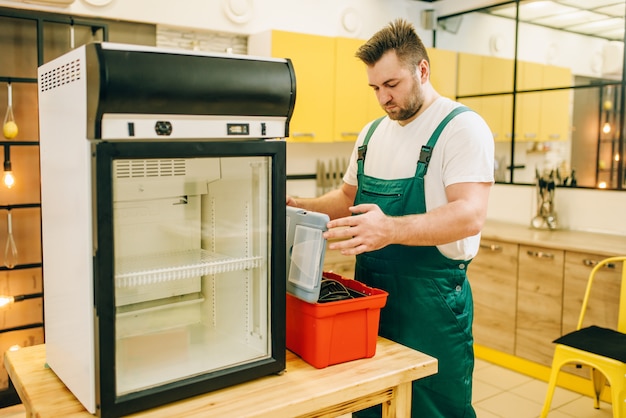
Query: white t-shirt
(463, 153)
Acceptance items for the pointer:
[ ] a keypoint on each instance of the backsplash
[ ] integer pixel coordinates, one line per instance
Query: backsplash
(578, 209)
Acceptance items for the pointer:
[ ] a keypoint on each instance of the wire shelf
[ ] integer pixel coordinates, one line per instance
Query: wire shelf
(159, 268)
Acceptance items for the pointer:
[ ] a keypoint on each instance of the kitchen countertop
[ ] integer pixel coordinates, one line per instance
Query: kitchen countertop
(561, 239)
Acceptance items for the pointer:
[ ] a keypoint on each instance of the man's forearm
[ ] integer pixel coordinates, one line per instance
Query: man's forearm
(334, 203)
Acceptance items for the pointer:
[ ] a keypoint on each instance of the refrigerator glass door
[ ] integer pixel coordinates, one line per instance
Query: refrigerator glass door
(192, 293)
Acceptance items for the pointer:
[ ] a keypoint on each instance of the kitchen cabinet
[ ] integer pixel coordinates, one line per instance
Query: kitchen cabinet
(539, 302)
(443, 70)
(603, 304)
(528, 287)
(355, 101)
(313, 59)
(333, 98)
(542, 115)
(555, 104)
(528, 105)
(604, 299)
(479, 75)
(469, 74)
(493, 278)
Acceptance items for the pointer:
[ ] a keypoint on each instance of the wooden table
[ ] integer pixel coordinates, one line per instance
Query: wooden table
(302, 391)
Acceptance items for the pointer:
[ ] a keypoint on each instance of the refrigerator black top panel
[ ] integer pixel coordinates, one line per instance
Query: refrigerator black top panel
(127, 79)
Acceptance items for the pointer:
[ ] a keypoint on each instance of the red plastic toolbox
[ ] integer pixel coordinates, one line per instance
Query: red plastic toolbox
(335, 332)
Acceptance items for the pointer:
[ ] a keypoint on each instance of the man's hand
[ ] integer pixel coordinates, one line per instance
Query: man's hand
(369, 230)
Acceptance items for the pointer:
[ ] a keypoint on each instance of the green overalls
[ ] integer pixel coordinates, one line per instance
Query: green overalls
(429, 307)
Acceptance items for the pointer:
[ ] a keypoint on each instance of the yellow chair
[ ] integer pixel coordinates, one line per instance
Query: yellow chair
(601, 349)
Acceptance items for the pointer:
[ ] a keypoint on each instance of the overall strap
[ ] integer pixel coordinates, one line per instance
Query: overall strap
(427, 150)
(363, 148)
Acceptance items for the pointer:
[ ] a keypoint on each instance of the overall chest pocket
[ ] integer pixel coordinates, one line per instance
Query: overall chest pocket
(390, 200)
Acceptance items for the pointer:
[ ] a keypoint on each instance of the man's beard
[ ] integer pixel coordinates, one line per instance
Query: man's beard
(411, 107)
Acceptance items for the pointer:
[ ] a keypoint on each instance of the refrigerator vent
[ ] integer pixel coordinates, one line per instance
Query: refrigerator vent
(149, 168)
(59, 76)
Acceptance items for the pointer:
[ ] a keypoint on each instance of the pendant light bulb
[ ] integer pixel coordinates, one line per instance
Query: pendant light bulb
(8, 178)
(6, 300)
(606, 128)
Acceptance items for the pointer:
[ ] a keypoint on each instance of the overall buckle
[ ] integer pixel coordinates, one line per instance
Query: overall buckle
(425, 154)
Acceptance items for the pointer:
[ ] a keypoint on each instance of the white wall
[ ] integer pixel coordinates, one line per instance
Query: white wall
(579, 209)
(354, 18)
(477, 33)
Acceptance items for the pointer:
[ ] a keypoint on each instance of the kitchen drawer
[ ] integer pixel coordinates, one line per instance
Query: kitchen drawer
(539, 302)
(493, 279)
(603, 302)
(603, 305)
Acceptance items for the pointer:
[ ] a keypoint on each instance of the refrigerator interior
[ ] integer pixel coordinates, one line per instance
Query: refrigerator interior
(191, 248)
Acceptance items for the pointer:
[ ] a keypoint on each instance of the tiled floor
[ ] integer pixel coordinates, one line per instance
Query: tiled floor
(502, 393)
(498, 393)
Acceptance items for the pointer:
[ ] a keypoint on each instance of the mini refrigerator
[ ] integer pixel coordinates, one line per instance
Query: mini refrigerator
(163, 221)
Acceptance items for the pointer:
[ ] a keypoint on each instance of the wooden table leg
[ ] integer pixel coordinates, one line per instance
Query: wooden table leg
(400, 404)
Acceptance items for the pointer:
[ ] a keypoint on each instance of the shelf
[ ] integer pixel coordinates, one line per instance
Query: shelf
(159, 268)
(18, 143)
(20, 206)
(22, 267)
(18, 79)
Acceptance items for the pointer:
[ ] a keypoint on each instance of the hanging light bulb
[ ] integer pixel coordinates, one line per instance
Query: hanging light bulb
(606, 128)
(8, 178)
(7, 300)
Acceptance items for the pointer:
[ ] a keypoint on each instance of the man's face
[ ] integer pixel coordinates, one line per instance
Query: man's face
(398, 89)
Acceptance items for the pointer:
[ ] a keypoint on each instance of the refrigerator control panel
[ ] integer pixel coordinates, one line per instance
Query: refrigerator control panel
(124, 126)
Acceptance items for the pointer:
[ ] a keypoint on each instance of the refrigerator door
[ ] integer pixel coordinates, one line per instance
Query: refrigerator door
(188, 271)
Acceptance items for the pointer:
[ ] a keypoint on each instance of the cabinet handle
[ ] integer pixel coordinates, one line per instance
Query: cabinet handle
(492, 247)
(540, 254)
(592, 263)
(303, 134)
(349, 134)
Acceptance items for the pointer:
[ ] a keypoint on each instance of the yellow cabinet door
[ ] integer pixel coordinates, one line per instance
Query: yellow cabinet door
(313, 59)
(497, 75)
(469, 74)
(555, 108)
(474, 103)
(528, 105)
(355, 101)
(443, 71)
(497, 112)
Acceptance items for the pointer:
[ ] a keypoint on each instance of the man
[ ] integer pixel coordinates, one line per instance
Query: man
(411, 208)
